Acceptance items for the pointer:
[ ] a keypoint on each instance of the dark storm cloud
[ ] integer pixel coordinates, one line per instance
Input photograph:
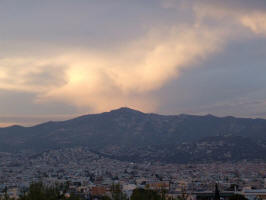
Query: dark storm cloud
(230, 83)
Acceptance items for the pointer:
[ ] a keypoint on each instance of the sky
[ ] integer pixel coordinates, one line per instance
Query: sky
(64, 58)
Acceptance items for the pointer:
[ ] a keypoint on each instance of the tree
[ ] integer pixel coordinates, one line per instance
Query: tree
(238, 197)
(40, 191)
(117, 193)
(142, 194)
(216, 193)
(106, 198)
(184, 194)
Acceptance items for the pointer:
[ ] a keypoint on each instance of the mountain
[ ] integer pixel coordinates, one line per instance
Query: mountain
(128, 134)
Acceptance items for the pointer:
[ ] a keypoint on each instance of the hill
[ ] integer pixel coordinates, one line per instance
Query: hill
(128, 134)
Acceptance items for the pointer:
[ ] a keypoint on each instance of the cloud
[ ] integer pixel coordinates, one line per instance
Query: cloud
(29, 74)
(251, 15)
(226, 14)
(248, 106)
(256, 22)
(106, 79)
(128, 73)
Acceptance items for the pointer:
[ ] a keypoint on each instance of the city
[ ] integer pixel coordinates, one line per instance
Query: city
(132, 99)
(89, 174)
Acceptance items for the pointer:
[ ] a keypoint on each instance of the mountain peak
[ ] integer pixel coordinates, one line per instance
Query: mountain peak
(125, 110)
(128, 134)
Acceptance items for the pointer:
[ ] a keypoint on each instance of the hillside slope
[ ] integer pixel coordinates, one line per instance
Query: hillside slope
(132, 135)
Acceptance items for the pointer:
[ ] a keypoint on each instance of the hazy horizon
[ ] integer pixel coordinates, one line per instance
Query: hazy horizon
(36, 120)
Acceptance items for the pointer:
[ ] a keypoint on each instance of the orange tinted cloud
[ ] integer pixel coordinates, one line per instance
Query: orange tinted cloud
(106, 79)
(126, 75)
(232, 13)
(256, 22)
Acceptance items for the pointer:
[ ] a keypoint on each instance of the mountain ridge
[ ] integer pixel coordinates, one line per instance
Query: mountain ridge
(123, 109)
(129, 134)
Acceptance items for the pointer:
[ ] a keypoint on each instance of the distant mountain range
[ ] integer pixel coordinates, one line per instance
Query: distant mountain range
(127, 134)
